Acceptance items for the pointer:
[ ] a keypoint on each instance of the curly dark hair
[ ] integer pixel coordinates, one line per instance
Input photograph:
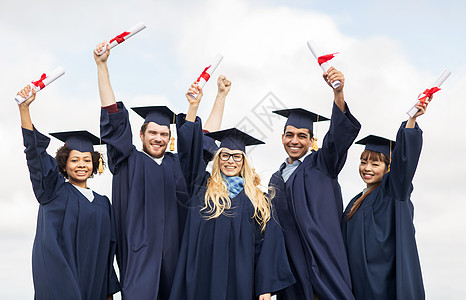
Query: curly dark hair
(62, 157)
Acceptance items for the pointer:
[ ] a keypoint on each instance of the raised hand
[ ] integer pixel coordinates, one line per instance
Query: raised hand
(98, 48)
(223, 85)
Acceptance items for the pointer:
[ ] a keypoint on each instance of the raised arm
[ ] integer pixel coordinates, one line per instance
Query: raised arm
(344, 128)
(107, 97)
(330, 76)
(42, 167)
(190, 142)
(406, 154)
(26, 121)
(214, 121)
(115, 129)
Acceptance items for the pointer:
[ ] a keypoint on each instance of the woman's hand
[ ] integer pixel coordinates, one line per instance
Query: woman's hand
(24, 93)
(422, 107)
(223, 85)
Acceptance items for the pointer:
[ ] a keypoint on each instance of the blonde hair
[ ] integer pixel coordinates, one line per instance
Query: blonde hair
(217, 201)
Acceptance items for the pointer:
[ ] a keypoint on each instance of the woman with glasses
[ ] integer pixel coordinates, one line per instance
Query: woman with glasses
(232, 247)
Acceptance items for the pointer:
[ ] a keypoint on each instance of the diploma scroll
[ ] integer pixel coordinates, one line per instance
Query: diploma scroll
(435, 87)
(208, 71)
(124, 36)
(44, 80)
(319, 57)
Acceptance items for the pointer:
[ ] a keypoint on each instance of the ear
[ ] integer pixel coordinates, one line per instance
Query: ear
(141, 135)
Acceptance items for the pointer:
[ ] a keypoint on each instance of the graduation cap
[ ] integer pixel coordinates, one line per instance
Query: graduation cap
(82, 141)
(378, 144)
(234, 139)
(161, 115)
(301, 118)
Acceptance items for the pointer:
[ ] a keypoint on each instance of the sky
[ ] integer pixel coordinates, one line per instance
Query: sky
(389, 52)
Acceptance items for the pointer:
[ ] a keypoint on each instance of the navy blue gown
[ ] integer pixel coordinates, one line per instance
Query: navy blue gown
(380, 236)
(309, 207)
(149, 207)
(74, 247)
(228, 257)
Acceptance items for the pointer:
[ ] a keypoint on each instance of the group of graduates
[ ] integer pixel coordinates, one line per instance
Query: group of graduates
(179, 232)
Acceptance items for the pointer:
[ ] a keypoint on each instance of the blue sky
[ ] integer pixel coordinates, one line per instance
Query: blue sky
(389, 52)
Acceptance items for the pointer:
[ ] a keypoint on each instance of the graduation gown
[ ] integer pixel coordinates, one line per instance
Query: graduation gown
(380, 236)
(226, 258)
(309, 207)
(74, 246)
(148, 203)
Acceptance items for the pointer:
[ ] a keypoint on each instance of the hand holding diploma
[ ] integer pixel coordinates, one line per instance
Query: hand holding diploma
(41, 83)
(428, 93)
(208, 71)
(123, 36)
(322, 60)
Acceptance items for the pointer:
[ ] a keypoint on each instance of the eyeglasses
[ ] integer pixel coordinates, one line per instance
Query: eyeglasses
(226, 156)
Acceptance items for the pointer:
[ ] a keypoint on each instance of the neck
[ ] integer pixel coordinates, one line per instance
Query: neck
(82, 184)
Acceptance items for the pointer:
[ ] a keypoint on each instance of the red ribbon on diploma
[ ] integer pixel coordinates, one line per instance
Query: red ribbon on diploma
(39, 82)
(428, 93)
(204, 75)
(120, 38)
(325, 58)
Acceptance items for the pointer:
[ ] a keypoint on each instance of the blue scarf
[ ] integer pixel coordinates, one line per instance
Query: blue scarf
(235, 185)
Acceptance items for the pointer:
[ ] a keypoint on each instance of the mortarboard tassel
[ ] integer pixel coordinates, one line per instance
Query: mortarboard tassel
(101, 164)
(314, 146)
(390, 163)
(172, 139)
(172, 143)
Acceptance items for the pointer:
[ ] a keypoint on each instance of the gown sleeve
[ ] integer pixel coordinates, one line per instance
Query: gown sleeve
(344, 128)
(405, 158)
(191, 154)
(272, 269)
(43, 168)
(115, 131)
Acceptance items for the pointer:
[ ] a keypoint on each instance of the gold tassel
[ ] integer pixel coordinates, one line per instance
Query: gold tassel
(390, 156)
(314, 146)
(172, 139)
(172, 143)
(101, 164)
(101, 161)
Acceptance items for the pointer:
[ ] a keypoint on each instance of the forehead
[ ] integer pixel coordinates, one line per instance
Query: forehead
(156, 127)
(292, 129)
(229, 151)
(76, 153)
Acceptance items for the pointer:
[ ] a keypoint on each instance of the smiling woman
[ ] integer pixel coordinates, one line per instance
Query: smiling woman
(377, 225)
(74, 245)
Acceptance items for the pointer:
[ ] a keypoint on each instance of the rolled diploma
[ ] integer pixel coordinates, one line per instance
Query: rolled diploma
(132, 31)
(218, 58)
(437, 83)
(325, 66)
(51, 77)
